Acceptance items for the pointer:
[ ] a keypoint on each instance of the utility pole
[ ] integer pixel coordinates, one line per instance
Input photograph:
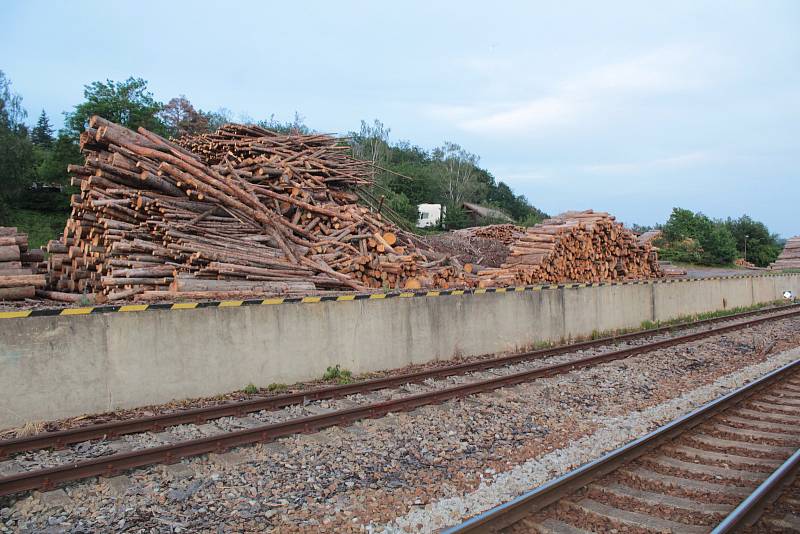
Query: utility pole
(745, 246)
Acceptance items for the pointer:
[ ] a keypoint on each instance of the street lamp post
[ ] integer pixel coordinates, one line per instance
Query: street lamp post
(745, 246)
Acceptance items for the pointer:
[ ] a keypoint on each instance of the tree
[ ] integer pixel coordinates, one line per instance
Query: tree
(296, 126)
(128, 103)
(53, 165)
(762, 246)
(16, 150)
(180, 118)
(458, 175)
(695, 238)
(216, 119)
(42, 133)
(371, 143)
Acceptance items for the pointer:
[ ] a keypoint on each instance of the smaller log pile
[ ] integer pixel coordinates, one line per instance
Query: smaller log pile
(649, 236)
(21, 270)
(741, 262)
(789, 258)
(575, 246)
(505, 233)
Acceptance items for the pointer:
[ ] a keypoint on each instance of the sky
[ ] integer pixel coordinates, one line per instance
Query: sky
(627, 107)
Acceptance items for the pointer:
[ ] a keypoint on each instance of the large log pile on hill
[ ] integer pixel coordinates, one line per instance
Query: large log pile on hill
(789, 257)
(575, 246)
(239, 212)
(21, 270)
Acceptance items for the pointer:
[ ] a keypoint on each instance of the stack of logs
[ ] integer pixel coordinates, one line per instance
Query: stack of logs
(21, 270)
(789, 258)
(575, 246)
(243, 211)
(505, 233)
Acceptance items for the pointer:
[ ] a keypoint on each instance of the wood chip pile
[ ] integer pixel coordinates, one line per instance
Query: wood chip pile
(243, 211)
(789, 258)
(577, 246)
(21, 270)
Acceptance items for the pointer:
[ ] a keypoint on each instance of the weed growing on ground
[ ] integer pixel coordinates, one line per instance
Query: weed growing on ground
(277, 388)
(338, 375)
(251, 389)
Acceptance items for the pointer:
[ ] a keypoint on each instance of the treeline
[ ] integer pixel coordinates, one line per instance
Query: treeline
(695, 238)
(447, 175)
(33, 159)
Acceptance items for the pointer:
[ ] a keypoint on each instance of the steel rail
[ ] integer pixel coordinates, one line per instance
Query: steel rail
(111, 430)
(750, 509)
(114, 464)
(513, 511)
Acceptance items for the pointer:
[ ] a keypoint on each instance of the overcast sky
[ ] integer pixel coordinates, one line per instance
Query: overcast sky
(630, 107)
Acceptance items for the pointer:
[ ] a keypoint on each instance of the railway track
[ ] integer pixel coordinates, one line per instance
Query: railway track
(712, 470)
(118, 462)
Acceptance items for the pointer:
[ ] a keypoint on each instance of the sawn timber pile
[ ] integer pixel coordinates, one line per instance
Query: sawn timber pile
(242, 211)
(789, 257)
(21, 270)
(577, 246)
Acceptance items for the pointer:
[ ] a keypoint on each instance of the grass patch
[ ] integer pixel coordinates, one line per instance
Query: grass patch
(251, 389)
(41, 226)
(277, 388)
(338, 375)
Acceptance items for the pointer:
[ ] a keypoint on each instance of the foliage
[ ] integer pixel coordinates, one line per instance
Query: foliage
(17, 155)
(128, 103)
(762, 246)
(338, 375)
(457, 172)
(296, 126)
(695, 238)
(42, 133)
(40, 226)
(448, 175)
(250, 389)
(277, 388)
(180, 118)
(52, 166)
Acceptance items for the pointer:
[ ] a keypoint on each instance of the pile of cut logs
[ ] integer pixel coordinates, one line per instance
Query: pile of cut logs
(577, 246)
(21, 270)
(243, 211)
(505, 233)
(789, 257)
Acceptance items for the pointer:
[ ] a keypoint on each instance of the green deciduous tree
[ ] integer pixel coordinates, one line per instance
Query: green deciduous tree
(695, 238)
(16, 150)
(457, 171)
(128, 103)
(762, 246)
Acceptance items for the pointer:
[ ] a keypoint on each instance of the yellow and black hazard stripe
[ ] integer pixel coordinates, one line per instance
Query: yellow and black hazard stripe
(128, 308)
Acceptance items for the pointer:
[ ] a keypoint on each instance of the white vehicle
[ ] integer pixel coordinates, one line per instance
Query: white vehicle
(429, 215)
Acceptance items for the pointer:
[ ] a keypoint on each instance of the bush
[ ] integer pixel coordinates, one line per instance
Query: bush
(338, 375)
(694, 238)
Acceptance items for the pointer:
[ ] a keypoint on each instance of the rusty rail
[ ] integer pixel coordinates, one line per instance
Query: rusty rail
(507, 514)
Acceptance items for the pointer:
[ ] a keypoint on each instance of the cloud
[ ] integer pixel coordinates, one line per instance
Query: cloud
(669, 69)
(680, 161)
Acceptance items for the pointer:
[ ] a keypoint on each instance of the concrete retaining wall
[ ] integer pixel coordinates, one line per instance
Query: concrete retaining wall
(59, 366)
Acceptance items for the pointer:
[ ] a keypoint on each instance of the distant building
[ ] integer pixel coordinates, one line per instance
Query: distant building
(429, 215)
(477, 212)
